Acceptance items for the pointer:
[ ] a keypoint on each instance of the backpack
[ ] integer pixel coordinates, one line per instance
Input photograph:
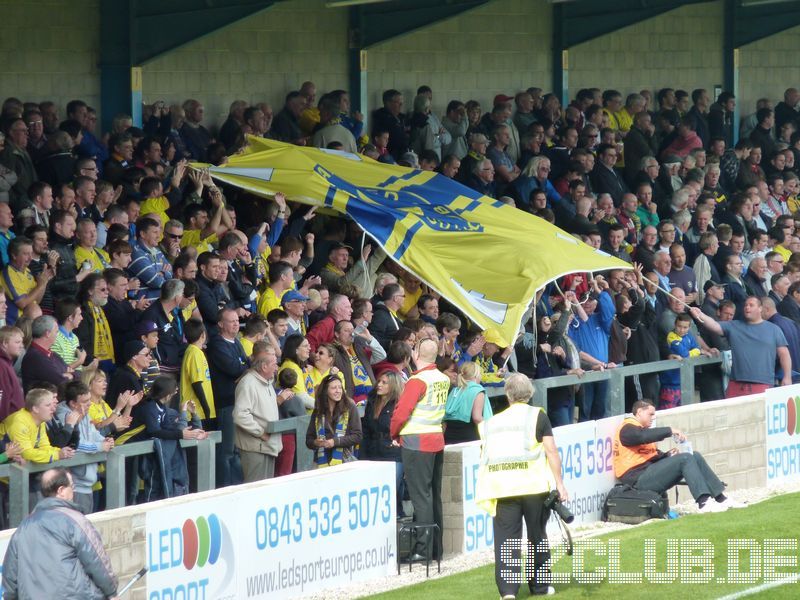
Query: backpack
(625, 504)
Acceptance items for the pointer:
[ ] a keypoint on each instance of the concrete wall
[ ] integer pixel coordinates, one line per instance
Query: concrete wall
(258, 59)
(49, 51)
(766, 68)
(501, 47)
(681, 49)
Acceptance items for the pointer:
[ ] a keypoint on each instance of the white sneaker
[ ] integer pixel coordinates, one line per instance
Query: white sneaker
(509, 597)
(731, 503)
(712, 506)
(550, 592)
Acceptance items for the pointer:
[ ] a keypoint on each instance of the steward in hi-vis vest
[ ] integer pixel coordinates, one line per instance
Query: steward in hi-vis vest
(417, 426)
(518, 468)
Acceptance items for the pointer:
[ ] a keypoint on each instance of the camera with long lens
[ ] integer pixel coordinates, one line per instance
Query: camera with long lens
(553, 503)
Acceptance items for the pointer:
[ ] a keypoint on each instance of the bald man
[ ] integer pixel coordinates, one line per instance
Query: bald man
(417, 426)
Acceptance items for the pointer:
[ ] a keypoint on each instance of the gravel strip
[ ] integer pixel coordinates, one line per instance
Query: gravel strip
(467, 562)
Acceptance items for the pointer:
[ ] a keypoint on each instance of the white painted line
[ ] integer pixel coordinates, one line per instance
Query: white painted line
(762, 587)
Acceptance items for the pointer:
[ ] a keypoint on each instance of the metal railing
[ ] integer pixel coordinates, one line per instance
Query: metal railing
(19, 475)
(616, 378)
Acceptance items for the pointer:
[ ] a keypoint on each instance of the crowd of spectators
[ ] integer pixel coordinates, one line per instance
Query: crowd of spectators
(144, 301)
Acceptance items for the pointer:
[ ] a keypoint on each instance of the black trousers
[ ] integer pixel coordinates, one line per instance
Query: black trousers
(508, 531)
(664, 473)
(423, 472)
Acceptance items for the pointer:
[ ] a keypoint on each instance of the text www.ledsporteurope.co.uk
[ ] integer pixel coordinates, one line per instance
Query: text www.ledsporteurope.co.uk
(685, 561)
(297, 575)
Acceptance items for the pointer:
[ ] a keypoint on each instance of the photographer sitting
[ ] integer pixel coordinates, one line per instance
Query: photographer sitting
(519, 459)
(638, 463)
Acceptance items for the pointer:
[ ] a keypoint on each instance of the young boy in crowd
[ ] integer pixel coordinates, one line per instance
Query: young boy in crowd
(255, 329)
(682, 344)
(195, 376)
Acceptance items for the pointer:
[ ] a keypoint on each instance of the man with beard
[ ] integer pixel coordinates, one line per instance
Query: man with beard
(94, 331)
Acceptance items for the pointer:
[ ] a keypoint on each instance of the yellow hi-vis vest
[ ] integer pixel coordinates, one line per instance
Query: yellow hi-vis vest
(512, 462)
(429, 412)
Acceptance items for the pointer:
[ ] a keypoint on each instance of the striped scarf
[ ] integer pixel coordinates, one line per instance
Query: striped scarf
(336, 452)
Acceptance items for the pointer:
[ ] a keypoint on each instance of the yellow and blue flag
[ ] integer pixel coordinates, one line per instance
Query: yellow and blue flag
(485, 257)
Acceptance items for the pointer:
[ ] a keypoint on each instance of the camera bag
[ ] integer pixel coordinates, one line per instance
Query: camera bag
(625, 504)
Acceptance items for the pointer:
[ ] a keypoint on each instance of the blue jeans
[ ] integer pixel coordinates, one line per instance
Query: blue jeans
(594, 404)
(229, 469)
(561, 415)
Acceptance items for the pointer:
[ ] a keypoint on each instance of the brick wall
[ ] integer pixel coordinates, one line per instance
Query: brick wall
(258, 59)
(49, 51)
(731, 436)
(501, 47)
(766, 68)
(680, 49)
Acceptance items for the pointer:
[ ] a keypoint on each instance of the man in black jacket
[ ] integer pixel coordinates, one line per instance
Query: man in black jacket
(699, 115)
(385, 321)
(786, 111)
(227, 362)
(68, 277)
(605, 180)
(638, 463)
(210, 294)
(762, 134)
(790, 305)
(390, 118)
(639, 142)
(170, 327)
(121, 313)
(720, 118)
(242, 274)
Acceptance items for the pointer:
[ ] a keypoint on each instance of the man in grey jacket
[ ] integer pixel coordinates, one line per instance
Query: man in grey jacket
(255, 406)
(55, 552)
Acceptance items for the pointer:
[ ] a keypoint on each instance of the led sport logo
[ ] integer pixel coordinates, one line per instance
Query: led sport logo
(190, 561)
(202, 541)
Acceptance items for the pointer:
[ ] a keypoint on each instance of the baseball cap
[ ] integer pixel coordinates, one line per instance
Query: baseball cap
(709, 284)
(502, 99)
(145, 328)
(293, 296)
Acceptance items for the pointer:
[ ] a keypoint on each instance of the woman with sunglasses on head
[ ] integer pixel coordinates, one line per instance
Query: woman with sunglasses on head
(335, 427)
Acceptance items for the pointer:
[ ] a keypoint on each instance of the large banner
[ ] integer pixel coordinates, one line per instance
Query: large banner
(485, 257)
(293, 536)
(783, 435)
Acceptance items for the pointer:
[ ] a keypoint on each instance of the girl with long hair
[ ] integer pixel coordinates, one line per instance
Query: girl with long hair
(335, 427)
